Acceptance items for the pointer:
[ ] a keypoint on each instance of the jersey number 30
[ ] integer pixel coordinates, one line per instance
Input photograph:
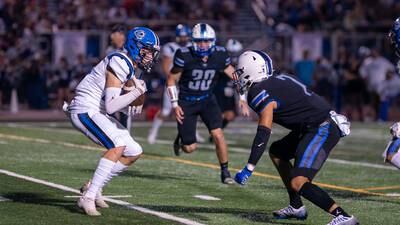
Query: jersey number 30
(201, 79)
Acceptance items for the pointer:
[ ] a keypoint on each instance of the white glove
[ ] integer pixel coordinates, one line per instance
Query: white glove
(140, 85)
(342, 122)
(136, 110)
(395, 130)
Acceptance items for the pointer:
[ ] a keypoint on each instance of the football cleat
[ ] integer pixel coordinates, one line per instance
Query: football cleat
(344, 220)
(99, 201)
(243, 176)
(226, 177)
(177, 145)
(291, 213)
(88, 205)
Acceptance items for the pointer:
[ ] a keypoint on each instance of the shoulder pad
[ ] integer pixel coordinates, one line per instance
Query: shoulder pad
(121, 65)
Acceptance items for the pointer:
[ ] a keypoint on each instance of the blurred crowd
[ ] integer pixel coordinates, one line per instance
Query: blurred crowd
(363, 84)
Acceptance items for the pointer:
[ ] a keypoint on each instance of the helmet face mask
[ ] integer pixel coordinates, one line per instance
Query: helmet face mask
(253, 66)
(203, 38)
(143, 47)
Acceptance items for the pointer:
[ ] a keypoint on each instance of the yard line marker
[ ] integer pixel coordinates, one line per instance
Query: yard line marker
(115, 201)
(382, 188)
(207, 165)
(108, 196)
(206, 197)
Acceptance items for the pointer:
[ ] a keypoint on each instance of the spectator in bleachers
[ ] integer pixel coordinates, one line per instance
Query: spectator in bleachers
(305, 68)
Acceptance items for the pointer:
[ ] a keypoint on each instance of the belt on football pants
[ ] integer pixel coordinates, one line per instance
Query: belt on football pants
(196, 98)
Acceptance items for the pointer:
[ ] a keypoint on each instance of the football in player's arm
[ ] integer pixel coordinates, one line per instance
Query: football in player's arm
(196, 70)
(97, 96)
(314, 131)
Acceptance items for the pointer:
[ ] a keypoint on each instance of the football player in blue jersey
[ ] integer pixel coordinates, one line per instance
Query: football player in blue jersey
(182, 39)
(315, 130)
(392, 153)
(197, 69)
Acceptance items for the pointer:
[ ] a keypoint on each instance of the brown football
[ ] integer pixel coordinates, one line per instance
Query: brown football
(128, 86)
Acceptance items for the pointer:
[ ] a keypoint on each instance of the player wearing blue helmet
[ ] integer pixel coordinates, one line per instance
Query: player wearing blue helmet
(392, 151)
(182, 39)
(197, 69)
(97, 96)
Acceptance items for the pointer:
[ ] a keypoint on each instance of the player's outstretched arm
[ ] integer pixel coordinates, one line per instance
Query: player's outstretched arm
(113, 100)
(259, 143)
(244, 109)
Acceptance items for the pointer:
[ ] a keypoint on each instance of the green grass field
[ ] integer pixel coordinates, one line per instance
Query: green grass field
(355, 176)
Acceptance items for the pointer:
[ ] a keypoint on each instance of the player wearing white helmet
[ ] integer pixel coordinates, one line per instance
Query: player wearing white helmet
(97, 96)
(197, 69)
(314, 131)
(182, 39)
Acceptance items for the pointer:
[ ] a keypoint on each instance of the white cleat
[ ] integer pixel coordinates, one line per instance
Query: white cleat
(344, 220)
(87, 204)
(99, 201)
(291, 213)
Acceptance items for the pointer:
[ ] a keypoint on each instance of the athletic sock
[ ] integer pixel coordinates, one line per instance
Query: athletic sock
(115, 171)
(295, 199)
(339, 211)
(100, 176)
(316, 195)
(157, 122)
(224, 123)
(224, 166)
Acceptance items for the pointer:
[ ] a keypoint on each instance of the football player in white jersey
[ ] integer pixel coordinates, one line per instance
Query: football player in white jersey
(182, 39)
(98, 95)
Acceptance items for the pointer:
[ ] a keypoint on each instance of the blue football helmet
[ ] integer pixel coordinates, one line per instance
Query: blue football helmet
(182, 34)
(140, 39)
(394, 36)
(203, 32)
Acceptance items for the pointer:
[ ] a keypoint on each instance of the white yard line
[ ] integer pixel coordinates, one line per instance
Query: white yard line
(115, 201)
(169, 142)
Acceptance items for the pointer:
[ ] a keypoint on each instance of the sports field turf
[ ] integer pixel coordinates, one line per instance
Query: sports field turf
(355, 176)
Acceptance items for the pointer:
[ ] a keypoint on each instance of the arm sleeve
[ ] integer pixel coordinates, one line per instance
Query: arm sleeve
(115, 102)
(179, 60)
(119, 67)
(259, 144)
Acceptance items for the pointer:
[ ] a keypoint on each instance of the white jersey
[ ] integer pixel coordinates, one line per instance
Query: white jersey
(89, 94)
(169, 49)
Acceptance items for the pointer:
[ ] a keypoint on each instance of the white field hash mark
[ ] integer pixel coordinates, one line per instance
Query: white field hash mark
(115, 201)
(2, 199)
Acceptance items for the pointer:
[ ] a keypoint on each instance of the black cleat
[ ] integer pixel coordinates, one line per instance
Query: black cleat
(177, 146)
(226, 177)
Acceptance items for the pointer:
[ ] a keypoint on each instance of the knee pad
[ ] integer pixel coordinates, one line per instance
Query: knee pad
(132, 148)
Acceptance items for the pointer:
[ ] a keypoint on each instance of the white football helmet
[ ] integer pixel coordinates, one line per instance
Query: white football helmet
(233, 45)
(253, 66)
(203, 32)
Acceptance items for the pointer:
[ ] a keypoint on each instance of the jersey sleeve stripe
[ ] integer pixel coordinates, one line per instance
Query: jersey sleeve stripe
(262, 106)
(256, 100)
(180, 60)
(131, 69)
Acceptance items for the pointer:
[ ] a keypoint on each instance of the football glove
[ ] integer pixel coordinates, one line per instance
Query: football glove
(243, 176)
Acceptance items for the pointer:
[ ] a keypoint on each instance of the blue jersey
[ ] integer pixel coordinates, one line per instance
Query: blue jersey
(297, 105)
(198, 78)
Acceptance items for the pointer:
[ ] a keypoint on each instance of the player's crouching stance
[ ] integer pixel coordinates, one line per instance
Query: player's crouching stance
(98, 95)
(315, 130)
(392, 153)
